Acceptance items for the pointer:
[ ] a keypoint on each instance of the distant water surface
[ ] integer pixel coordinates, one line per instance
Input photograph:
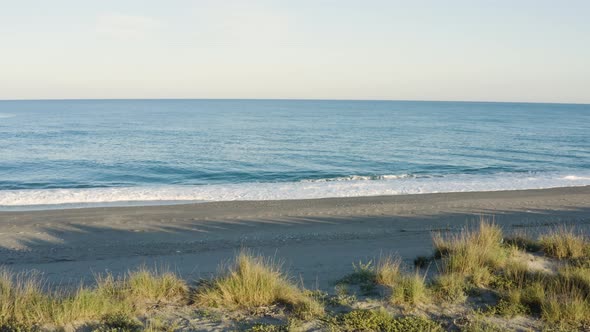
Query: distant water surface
(104, 152)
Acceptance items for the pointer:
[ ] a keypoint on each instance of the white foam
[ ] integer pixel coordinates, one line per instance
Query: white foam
(576, 178)
(361, 178)
(67, 198)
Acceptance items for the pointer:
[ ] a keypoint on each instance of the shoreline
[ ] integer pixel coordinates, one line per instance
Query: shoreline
(5, 209)
(318, 238)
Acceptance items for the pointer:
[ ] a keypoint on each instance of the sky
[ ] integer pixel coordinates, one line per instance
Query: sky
(473, 50)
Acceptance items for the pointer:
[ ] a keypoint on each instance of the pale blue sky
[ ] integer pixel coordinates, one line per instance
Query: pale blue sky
(512, 50)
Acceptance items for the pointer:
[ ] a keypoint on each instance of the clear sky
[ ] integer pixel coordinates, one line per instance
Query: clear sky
(502, 50)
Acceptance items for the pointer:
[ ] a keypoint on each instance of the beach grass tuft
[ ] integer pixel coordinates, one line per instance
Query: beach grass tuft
(450, 288)
(565, 243)
(473, 253)
(410, 290)
(23, 300)
(254, 281)
(388, 270)
(154, 286)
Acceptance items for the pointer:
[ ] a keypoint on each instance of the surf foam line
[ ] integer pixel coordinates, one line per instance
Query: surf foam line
(131, 196)
(362, 178)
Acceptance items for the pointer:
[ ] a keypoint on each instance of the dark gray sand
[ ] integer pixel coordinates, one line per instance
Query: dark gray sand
(317, 240)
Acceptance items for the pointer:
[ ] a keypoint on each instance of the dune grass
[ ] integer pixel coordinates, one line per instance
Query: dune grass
(475, 261)
(254, 281)
(154, 286)
(565, 243)
(480, 258)
(450, 288)
(410, 290)
(404, 288)
(388, 270)
(473, 254)
(23, 299)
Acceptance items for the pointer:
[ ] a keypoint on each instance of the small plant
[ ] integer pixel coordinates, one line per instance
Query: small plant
(268, 328)
(450, 288)
(380, 320)
(509, 307)
(119, 322)
(156, 324)
(14, 326)
(363, 273)
(410, 290)
(343, 297)
(481, 325)
(387, 271)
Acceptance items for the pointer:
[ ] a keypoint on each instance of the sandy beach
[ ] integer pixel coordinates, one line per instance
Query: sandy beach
(317, 239)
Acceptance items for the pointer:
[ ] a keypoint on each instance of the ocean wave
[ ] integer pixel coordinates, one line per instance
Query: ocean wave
(361, 178)
(576, 178)
(6, 115)
(89, 197)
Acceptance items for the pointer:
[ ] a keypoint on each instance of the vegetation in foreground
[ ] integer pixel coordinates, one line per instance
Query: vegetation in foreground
(252, 282)
(476, 280)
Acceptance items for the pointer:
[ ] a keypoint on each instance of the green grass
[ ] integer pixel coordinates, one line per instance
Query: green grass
(410, 290)
(268, 328)
(450, 288)
(363, 274)
(254, 281)
(380, 320)
(406, 289)
(118, 322)
(510, 307)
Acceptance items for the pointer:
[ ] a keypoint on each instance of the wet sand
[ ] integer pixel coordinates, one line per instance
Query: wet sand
(317, 239)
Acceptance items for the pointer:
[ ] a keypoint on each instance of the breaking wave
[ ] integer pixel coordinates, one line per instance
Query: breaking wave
(353, 186)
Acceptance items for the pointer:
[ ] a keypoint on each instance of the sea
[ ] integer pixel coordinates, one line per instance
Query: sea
(90, 153)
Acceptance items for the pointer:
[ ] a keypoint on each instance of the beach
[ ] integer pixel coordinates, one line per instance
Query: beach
(317, 240)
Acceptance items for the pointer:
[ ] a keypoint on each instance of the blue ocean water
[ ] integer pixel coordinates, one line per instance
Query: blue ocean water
(94, 152)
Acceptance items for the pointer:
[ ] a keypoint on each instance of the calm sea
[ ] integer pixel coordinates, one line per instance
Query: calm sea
(123, 152)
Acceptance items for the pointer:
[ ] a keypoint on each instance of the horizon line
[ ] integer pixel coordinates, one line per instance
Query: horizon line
(299, 99)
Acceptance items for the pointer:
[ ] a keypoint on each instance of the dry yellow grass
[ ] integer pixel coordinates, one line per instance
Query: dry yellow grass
(410, 289)
(473, 253)
(565, 303)
(23, 300)
(387, 270)
(254, 281)
(564, 243)
(155, 286)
